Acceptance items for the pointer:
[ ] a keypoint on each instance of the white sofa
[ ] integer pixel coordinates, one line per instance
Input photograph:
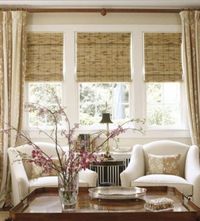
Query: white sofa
(189, 180)
(22, 184)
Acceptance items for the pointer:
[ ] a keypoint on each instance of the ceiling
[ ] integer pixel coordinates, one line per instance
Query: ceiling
(102, 3)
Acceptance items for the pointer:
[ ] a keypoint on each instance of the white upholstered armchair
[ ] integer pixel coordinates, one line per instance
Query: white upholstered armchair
(169, 152)
(22, 180)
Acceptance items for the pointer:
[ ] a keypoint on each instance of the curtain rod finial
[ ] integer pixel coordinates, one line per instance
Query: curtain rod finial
(103, 12)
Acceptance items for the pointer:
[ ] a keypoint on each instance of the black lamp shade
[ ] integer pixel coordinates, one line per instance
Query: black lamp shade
(105, 118)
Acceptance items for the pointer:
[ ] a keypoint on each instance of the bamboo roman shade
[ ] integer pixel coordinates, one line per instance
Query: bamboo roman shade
(162, 57)
(44, 57)
(103, 57)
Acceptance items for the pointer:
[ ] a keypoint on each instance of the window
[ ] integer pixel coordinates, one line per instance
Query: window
(163, 77)
(163, 105)
(103, 60)
(40, 92)
(95, 96)
(135, 71)
(44, 73)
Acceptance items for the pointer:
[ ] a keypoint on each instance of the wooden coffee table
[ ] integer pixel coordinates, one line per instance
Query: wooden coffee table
(43, 204)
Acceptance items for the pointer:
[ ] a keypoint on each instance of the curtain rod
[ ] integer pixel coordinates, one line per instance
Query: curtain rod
(107, 10)
(102, 11)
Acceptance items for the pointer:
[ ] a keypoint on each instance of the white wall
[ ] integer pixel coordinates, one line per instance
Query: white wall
(97, 18)
(121, 21)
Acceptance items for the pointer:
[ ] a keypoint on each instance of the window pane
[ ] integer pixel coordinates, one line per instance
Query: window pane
(41, 93)
(163, 105)
(95, 96)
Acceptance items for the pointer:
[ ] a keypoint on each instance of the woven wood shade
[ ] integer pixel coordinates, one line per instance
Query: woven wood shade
(103, 57)
(44, 57)
(162, 57)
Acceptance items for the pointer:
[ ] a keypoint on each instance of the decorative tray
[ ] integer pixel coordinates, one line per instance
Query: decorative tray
(116, 193)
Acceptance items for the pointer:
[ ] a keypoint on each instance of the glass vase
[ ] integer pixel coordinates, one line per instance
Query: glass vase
(68, 190)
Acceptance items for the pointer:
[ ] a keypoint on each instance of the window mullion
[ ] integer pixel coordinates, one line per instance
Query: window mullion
(70, 96)
(137, 95)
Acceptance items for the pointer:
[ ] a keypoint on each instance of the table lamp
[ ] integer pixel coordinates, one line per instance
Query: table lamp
(106, 119)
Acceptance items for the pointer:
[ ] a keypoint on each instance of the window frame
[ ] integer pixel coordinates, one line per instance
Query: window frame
(70, 86)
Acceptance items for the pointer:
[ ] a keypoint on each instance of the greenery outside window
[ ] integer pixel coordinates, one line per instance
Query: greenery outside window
(41, 93)
(95, 96)
(163, 105)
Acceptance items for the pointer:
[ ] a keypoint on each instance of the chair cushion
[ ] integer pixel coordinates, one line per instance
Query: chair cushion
(163, 164)
(164, 180)
(49, 181)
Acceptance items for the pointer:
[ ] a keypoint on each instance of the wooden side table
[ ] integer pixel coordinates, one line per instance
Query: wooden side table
(108, 172)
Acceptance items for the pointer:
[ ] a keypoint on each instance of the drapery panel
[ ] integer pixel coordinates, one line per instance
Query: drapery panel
(191, 68)
(12, 72)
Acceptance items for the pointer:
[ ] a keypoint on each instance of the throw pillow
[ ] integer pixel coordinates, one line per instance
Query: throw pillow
(38, 171)
(164, 164)
(33, 170)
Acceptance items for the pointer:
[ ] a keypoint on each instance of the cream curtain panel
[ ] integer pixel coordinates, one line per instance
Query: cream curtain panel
(103, 57)
(191, 67)
(12, 71)
(162, 57)
(44, 56)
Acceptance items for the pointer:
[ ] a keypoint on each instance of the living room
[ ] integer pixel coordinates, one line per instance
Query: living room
(130, 59)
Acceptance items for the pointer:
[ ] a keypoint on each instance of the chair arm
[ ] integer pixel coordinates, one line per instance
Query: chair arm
(196, 190)
(135, 168)
(20, 189)
(192, 167)
(89, 177)
(20, 183)
(192, 172)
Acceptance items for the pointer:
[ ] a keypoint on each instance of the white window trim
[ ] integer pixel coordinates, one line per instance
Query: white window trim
(70, 86)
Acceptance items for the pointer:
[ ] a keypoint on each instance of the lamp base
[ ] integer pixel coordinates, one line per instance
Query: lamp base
(107, 156)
